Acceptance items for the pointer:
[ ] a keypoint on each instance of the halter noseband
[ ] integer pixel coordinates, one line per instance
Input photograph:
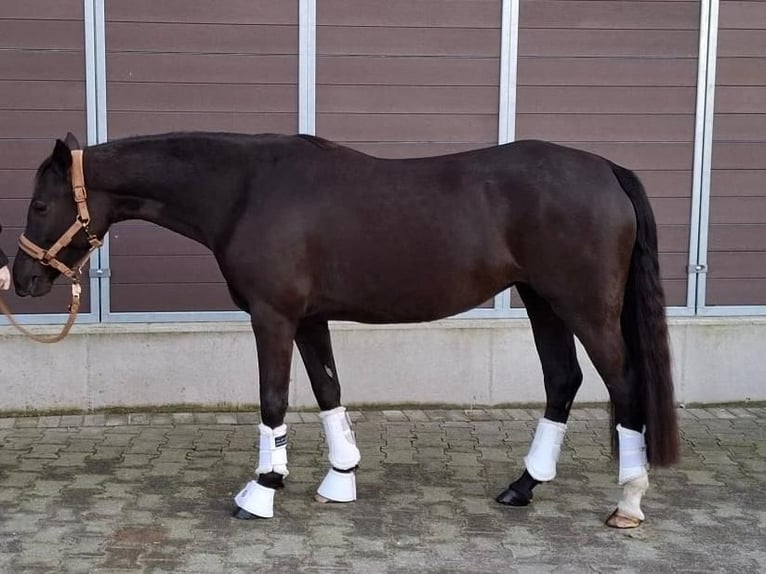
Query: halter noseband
(48, 256)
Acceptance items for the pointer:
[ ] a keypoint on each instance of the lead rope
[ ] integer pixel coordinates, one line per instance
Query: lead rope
(74, 308)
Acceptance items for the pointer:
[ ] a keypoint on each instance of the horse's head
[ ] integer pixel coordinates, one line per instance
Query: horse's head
(59, 234)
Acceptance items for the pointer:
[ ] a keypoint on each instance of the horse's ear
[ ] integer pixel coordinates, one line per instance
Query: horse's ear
(71, 141)
(62, 156)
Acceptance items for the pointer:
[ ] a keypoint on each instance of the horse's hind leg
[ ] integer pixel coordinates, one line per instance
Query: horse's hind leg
(604, 342)
(339, 485)
(274, 335)
(562, 375)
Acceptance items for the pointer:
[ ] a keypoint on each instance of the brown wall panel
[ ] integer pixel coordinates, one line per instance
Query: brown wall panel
(140, 238)
(737, 182)
(606, 100)
(736, 237)
(171, 270)
(155, 298)
(413, 99)
(741, 127)
(738, 210)
(405, 13)
(606, 127)
(416, 79)
(39, 123)
(375, 41)
(42, 10)
(564, 71)
(146, 122)
(674, 238)
(37, 64)
(204, 38)
(603, 14)
(619, 79)
(181, 65)
(737, 265)
(201, 97)
(739, 155)
(407, 127)
(41, 34)
(666, 183)
(232, 12)
(740, 71)
(42, 96)
(611, 43)
(202, 68)
(737, 231)
(736, 291)
(418, 70)
(742, 43)
(24, 153)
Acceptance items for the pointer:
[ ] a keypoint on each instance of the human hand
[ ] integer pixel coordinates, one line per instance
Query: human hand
(5, 278)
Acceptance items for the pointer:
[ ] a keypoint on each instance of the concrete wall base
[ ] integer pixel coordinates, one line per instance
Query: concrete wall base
(455, 361)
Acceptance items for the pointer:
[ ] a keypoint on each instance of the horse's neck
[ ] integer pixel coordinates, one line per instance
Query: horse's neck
(164, 183)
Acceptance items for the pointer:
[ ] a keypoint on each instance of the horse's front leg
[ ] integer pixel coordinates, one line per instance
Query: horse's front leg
(274, 339)
(339, 485)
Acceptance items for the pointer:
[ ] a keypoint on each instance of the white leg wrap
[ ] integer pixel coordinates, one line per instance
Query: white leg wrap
(630, 503)
(632, 454)
(545, 450)
(341, 443)
(272, 454)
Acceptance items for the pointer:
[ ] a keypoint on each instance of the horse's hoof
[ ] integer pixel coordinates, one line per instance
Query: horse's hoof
(242, 514)
(319, 498)
(513, 497)
(617, 520)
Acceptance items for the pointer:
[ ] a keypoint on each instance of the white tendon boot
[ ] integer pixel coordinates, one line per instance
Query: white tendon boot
(633, 477)
(545, 450)
(272, 457)
(340, 483)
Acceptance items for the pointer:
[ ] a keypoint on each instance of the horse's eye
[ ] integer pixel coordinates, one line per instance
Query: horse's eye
(39, 206)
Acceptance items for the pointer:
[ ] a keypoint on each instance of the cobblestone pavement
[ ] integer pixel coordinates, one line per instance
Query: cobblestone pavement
(152, 493)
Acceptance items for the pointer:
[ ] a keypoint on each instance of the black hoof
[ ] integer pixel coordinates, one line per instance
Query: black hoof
(242, 514)
(513, 497)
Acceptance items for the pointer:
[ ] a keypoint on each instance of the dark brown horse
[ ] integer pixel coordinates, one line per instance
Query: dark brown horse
(306, 231)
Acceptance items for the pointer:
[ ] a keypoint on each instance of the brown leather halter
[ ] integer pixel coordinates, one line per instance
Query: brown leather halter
(48, 256)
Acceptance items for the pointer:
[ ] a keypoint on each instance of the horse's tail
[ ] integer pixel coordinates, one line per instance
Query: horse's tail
(645, 329)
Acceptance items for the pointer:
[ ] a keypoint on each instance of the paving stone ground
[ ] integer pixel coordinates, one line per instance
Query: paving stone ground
(153, 493)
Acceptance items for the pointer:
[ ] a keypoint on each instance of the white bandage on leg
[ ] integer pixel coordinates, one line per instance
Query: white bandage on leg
(344, 454)
(632, 493)
(272, 454)
(545, 450)
(632, 454)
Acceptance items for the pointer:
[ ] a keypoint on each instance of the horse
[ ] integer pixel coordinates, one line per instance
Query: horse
(307, 231)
